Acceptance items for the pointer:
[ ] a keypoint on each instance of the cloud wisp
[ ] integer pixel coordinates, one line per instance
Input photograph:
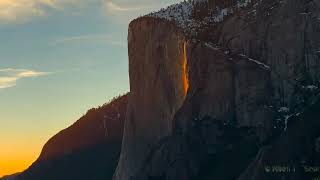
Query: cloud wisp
(13, 11)
(112, 6)
(107, 38)
(22, 10)
(124, 11)
(9, 76)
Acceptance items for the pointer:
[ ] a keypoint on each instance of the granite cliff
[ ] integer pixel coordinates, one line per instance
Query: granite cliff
(211, 80)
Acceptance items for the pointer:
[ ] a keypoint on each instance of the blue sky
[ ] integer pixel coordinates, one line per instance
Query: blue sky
(59, 58)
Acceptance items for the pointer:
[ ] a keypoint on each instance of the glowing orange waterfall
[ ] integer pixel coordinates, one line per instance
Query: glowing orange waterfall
(184, 69)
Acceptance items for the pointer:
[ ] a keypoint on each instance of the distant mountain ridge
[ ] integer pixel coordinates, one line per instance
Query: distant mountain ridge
(10, 177)
(87, 149)
(97, 126)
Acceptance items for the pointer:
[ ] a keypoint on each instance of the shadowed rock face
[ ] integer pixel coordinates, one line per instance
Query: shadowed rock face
(157, 86)
(282, 34)
(296, 148)
(252, 59)
(212, 150)
(107, 122)
(225, 86)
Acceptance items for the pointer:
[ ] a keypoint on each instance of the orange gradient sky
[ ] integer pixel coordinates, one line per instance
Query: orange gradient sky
(16, 156)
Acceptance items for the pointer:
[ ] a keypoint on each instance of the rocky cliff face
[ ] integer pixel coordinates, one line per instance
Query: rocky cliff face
(228, 87)
(297, 148)
(241, 64)
(285, 36)
(158, 86)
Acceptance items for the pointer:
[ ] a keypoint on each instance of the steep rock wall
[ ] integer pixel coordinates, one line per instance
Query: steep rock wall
(231, 88)
(222, 86)
(224, 89)
(158, 85)
(285, 36)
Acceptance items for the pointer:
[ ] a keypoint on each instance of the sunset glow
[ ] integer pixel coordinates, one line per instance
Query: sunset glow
(13, 166)
(17, 156)
(184, 69)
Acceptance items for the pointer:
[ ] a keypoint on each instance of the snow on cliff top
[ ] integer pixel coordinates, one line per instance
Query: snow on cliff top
(181, 13)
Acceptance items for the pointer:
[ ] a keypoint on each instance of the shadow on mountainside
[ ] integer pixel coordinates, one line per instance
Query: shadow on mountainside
(89, 149)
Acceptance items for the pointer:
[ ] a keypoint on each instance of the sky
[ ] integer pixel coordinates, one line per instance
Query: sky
(58, 58)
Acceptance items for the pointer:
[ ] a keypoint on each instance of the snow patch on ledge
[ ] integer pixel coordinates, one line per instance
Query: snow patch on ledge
(311, 87)
(243, 3)
(222, 13)
(283, 110)
(211, 46)
(260, 63)
(263, 65)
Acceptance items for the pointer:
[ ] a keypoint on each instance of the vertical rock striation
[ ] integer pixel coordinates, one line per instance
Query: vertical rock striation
(158, 85)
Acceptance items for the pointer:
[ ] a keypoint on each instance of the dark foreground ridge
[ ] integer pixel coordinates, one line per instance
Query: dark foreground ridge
(89, 149)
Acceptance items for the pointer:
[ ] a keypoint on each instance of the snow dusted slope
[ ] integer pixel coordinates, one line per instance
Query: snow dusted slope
(182, 14)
